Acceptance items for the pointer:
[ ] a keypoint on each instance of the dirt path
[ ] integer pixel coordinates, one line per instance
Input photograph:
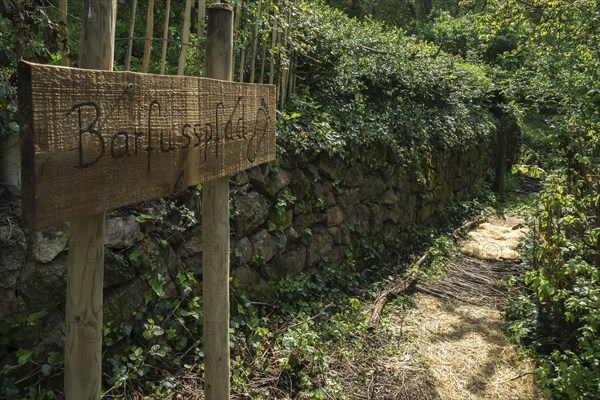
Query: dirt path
(456, 323)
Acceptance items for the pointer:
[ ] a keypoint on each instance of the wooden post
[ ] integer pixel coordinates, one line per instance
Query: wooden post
(215, 225)
(185, 37)
(163, 53)
(85, 271)
(149, 32)
(131, 31)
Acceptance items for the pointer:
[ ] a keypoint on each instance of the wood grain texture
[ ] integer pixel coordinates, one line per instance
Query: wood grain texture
(215, 226)
(97, 140)
(83, 336)
(85, 270)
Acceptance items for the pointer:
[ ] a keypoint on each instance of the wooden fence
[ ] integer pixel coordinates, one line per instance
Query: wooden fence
(262, 40)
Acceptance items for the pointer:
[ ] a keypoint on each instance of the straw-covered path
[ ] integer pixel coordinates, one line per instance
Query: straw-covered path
(456, 324)
(446, 340)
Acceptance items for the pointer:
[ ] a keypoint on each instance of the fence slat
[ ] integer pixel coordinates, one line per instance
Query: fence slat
(131, 31)
(185, 37)
(165, 41)
(149, 32)
(255, 43)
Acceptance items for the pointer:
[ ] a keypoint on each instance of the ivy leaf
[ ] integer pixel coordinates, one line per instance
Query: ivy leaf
(23, 355)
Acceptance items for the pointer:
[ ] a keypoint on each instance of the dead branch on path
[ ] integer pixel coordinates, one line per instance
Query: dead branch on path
(411, 279)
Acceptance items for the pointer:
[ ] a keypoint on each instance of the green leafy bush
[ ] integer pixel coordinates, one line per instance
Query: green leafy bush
(373, 83)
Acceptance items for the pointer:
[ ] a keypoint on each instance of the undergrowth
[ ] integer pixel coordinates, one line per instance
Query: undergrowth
(278, 349)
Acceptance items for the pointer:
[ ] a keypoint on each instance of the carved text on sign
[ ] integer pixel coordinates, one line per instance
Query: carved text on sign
(182, 136)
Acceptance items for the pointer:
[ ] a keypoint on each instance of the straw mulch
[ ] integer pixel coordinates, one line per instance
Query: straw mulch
(496, 239)
(467, 353)
(456, 326)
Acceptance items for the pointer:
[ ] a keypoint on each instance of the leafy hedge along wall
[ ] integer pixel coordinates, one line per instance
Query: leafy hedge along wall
(383, 135)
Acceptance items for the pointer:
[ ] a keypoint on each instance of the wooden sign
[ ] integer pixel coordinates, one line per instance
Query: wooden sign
(98, 140)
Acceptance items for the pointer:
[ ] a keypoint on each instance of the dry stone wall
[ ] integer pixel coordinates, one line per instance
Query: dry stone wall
(288, 216)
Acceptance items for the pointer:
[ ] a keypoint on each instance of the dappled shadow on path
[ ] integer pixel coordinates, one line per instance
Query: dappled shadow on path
(456, 325)
(467, 353)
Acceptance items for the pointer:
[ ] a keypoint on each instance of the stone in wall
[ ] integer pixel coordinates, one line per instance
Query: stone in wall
(377, 214)
(121, 302)
(291, 234)
(389, 197)
(191, 244)
(13, 250)
(256, 177)
(300, 185)
(264, 244)
(347, 199)
(331, 167)
(333, 216)
(243, 249)
(255, 286)
(395, 213)
(45, 244)
(121, 232)
(241, 178)
(305, 220)
(291, 262)
(312, 172)
(337, 255)
(360, 220)
(353, 176)
(372, 187)
(117, 270)
(253, 210)
(44, 286)
(276, 180)
(323, 194)
(388, 170)
(320, 245)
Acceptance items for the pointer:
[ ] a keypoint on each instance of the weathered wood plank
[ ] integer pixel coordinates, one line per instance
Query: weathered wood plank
(215, 225)
(97, 140)
(85, 268)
